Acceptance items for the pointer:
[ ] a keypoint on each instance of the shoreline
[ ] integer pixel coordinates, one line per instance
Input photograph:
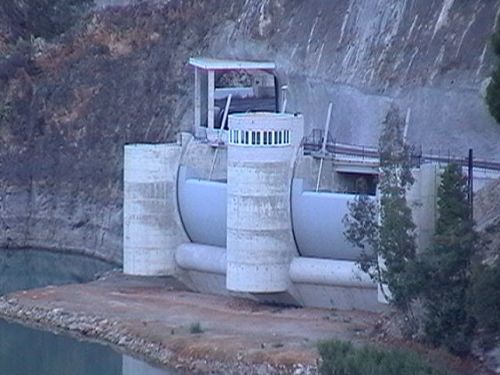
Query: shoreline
(173, 348)
(152, 319)
(80, 327)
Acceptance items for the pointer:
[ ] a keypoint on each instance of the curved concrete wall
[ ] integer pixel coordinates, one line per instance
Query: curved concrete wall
(317, 223)
(259, 243)
(202, 205)
(150, 229)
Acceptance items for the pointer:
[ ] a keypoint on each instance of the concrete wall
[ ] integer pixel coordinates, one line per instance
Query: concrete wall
(363, 55)
(422, 199)
(202, 205)
(317, 223)
(200, 158)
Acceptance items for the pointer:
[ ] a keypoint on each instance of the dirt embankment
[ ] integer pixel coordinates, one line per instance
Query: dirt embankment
(159, 320)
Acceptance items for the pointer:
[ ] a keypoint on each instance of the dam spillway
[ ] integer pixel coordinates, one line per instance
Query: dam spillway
(252, 224)
(239, 206)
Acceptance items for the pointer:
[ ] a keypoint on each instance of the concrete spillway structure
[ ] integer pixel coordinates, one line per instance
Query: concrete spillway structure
(151, 230)
(259, 239)
(247, 211)
(242, 217)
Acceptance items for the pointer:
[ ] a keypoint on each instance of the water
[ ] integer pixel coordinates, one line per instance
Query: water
(27, 351)
(28, 269)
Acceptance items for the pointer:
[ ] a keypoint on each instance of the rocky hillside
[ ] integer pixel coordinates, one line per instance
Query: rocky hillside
(80, 79)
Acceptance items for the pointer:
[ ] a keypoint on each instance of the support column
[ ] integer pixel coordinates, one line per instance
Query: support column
(197, 98)
(211, 103)
(422, 199)
(260, 244)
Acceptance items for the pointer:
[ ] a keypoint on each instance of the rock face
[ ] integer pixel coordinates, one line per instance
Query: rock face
(72, 97)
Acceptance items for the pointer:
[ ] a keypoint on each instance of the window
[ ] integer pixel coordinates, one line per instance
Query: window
(259, 137)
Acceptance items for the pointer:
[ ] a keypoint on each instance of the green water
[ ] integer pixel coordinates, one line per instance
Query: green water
(27, 351)
(28, 269)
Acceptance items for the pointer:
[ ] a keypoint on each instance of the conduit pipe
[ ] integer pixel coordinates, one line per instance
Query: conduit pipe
(212, 259)
(203, 258)
(329, 272)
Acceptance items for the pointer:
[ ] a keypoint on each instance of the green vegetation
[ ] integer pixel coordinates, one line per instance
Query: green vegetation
(5, 110)
(493, 90)
(342, 358)
(445, 268)
(441, 278)
(195, 328)
(393, 237)
(485, 297)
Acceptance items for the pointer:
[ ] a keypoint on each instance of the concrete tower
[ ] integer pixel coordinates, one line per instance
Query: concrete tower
(150, 229)
(259, 241)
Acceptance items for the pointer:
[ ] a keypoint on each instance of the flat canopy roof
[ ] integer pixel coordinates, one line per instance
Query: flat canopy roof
(220, 64)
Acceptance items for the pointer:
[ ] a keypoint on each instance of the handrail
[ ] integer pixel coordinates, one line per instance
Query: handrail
(417, 156)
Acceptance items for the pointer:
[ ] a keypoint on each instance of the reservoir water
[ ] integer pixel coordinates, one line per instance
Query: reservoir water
(27, 351)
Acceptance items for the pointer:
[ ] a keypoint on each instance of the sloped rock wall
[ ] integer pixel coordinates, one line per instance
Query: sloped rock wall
(119, 75)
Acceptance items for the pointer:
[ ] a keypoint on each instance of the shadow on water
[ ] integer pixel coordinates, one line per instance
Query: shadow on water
(28, 269)
(27, 351)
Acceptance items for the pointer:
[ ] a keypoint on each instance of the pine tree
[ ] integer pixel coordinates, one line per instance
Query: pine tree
(446, 269)
(397, 230)
(386, 230)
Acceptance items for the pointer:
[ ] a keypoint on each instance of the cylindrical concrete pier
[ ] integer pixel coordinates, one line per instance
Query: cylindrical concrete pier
(259, 245)
(151, 232)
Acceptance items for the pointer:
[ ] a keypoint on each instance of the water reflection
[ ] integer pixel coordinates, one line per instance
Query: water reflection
(28, 269)
(26, 351)
(132, 366)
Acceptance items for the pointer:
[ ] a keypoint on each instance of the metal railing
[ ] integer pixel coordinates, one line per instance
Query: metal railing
(313, 144)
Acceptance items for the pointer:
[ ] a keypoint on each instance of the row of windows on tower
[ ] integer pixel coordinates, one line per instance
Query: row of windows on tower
(259, 137)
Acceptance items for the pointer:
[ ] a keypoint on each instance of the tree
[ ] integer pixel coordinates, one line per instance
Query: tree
(446, 267)
(385, 230)
(484, 297)
(493, 90)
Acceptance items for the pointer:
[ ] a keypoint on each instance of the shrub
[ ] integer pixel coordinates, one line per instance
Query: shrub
(195, 328)
(493, 94)
(445, 267)
(493, 90)
(485, 297)
(342, 358)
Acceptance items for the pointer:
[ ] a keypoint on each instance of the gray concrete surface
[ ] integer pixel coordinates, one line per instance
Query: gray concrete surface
(260, 243)
(151, 225)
